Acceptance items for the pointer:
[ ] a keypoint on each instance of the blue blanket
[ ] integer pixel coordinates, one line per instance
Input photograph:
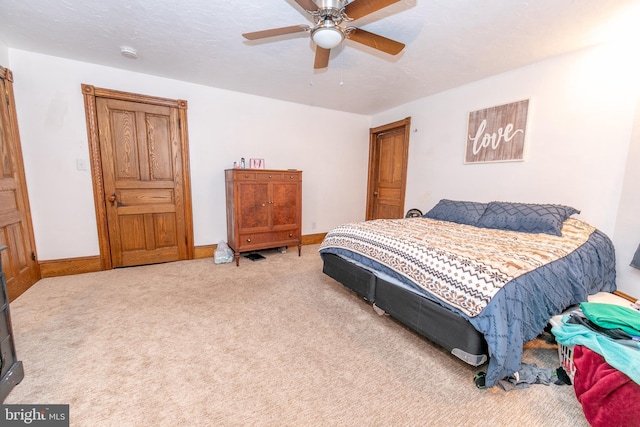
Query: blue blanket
(520, 311)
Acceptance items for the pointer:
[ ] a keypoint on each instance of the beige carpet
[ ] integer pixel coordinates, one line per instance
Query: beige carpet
(273, 342)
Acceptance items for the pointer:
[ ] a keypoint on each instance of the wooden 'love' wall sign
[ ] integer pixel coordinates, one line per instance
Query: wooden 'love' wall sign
(497, 134)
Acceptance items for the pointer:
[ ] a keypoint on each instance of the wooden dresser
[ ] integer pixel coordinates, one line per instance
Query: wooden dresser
(11, 370)
(264, 209)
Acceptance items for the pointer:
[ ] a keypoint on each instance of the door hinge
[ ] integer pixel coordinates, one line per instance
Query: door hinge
(33, 256)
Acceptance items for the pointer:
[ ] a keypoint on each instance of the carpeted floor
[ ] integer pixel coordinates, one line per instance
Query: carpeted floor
(270, 343)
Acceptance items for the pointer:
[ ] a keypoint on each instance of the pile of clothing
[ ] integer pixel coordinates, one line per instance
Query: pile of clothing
(606, 353)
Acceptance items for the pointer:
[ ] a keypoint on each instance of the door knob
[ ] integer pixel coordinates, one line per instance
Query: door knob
(112, 199)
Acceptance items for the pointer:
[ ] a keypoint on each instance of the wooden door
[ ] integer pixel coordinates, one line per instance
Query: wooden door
(144, 185)
(16, 231)
(388, 158)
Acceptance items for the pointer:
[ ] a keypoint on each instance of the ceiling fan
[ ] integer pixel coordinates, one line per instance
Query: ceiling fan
(327, 32)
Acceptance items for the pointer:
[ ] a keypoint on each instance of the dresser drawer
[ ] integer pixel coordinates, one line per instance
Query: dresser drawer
(270, 237)
(269, 176)
(245, 176)
(292, 176)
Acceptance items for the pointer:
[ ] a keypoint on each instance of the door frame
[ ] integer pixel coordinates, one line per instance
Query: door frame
(404, 124)
(90, 94)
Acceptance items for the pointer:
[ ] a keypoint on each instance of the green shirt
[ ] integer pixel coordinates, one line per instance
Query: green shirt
(612, 316)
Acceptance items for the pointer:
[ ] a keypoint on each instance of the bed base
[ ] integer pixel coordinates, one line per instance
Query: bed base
(426, 317)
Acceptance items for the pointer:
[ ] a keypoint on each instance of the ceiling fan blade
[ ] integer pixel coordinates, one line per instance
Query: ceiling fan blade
(307, 5)
(322, 57)
(359, 8)
(375, 41)
(275, 32)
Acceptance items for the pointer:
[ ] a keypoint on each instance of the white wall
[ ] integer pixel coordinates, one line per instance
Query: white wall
(4, 55)
(581, 115)
(223, 127)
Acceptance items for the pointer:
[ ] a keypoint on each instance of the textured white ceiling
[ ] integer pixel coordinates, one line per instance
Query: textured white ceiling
(448, 43)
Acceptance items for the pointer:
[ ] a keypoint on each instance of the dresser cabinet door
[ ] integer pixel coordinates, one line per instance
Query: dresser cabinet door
(253, 206)
(285, 204)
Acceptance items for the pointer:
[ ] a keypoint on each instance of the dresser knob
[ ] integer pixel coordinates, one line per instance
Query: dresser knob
(269, 176)
(248, 240)
(290, 234)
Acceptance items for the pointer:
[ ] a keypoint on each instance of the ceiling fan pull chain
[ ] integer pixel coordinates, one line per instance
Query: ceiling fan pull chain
(342, 67)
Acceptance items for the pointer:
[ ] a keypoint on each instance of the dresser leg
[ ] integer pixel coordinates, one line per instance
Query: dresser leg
(299, 249)
(237, 256)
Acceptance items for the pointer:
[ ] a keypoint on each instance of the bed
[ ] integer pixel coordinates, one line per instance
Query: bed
(479, 279)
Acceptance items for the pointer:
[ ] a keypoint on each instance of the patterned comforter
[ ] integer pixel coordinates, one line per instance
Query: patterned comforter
(507, 284)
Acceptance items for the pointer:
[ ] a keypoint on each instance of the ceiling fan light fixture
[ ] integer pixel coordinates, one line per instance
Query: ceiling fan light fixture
(328, 35)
